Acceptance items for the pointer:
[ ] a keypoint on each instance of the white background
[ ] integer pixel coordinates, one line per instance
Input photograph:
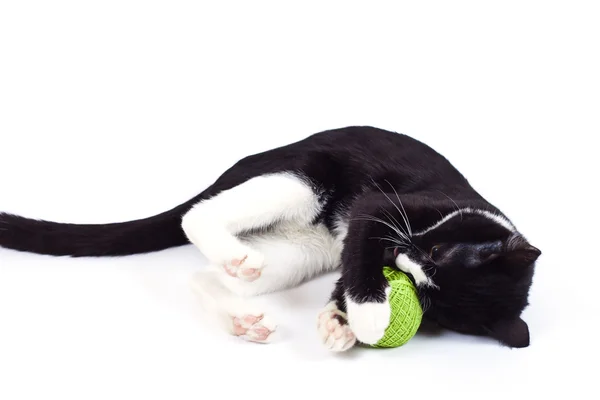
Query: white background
(116, 110)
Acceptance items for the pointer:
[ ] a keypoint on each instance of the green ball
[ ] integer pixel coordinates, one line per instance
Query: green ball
(406, 311)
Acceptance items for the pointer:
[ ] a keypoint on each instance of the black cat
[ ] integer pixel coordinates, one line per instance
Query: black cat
(356, 198)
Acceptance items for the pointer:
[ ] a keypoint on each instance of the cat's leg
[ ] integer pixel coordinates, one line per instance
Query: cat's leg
(332, 322)
(293, 254)
(213, 225)
(237, 316)
(366, 291)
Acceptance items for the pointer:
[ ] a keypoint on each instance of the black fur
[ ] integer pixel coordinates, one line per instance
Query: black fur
(483, 271)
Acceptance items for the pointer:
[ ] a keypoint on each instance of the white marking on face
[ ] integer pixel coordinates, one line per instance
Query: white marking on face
(500, 220)
(405, 264)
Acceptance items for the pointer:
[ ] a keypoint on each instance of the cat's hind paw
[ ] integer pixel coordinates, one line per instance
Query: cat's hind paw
(247, 267)
(333, 329)
(254, 328)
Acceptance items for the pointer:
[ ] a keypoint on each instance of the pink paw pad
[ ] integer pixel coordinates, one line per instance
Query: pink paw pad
(237, 262)
(252, 328)
(335, 335)
(246, 268)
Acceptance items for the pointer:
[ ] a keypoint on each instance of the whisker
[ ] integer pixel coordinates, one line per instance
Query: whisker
(393, 220)
(425, 301)
(424, 253)
(397, 224)
(393, 238)
(390, 239)
(394, 204)
(439, 212)
(374, 219)
(405, 215)
(381, 221)
(456, 205)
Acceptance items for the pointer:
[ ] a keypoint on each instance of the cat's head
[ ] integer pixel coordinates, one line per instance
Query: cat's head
(481, 271)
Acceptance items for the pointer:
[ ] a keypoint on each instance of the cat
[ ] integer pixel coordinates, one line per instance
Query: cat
(353, 200)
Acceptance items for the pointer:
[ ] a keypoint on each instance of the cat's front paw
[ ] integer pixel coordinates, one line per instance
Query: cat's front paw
(368, 320)
(334, 329)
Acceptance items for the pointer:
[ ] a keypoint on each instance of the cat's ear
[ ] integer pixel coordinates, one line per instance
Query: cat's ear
(510, 332)
(520, 253)
(523, 257)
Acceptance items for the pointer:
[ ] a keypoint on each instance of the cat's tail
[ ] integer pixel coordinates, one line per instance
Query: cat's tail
(155, 233)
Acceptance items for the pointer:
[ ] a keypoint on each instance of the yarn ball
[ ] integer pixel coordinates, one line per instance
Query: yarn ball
(406, 311)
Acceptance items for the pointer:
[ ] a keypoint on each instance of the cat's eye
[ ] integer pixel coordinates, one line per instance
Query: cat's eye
(435, 251)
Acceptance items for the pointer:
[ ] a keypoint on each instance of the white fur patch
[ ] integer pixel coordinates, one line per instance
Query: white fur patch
(340, 231)
(212, 224)
(500, 220)
(292, 254)
(369, 320)
(405, 264)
